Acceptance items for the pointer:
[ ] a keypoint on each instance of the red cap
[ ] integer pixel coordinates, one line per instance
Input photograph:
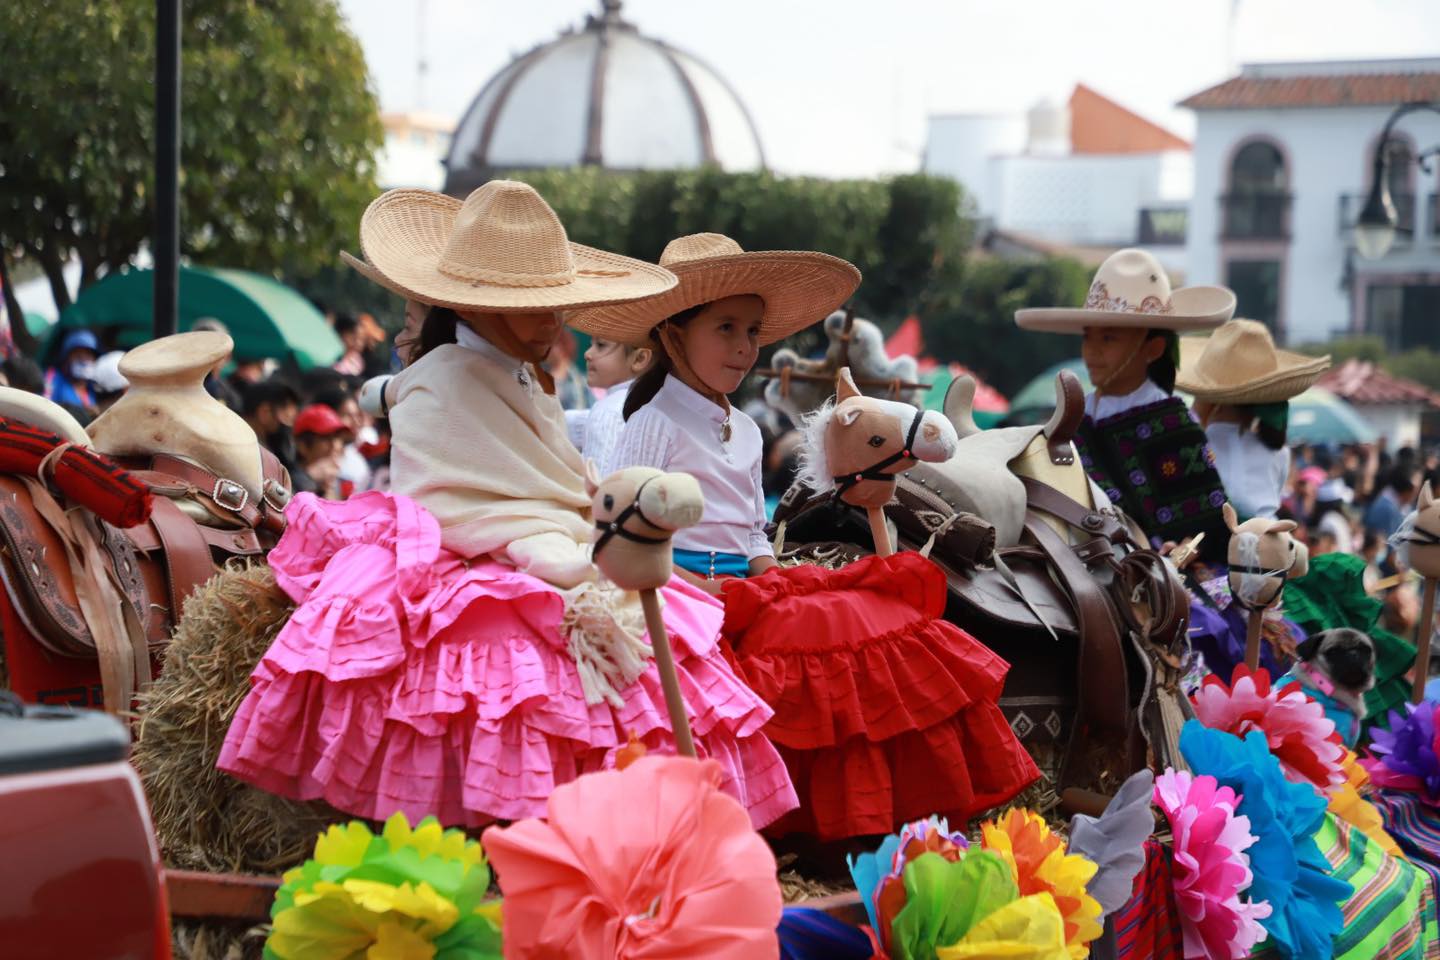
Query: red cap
(319, 420)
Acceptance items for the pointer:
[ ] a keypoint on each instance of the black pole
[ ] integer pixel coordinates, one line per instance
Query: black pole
(167, 166)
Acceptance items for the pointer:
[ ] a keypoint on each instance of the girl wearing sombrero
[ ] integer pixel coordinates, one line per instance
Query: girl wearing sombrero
(1138, 441)
(451, 652)
(884, 712)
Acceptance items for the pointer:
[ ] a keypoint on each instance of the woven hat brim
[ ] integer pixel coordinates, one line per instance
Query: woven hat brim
(1294, 374)
(1194, 308)
(403, 237)
(800, 288)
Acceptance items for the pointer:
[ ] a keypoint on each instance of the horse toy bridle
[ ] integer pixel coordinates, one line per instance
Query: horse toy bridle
(610, 529)
(877, 471)
(1278, 575)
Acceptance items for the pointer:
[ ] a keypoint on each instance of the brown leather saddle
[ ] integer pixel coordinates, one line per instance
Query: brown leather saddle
(198, 523)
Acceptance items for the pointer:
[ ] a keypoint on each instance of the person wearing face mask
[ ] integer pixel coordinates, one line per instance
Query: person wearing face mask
(70, 383)
(452, 652)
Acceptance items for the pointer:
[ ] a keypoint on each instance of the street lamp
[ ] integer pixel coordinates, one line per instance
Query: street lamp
(1376, 226)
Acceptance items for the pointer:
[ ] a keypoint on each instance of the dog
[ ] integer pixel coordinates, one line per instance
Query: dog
(1343, 660)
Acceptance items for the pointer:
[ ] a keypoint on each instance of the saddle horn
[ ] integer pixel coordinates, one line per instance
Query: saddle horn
(1060, 429)
(959, 405)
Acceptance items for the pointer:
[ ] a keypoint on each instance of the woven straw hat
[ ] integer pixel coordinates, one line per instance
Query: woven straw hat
(799, 288)
(502, 250)
(1131, 290)
(1238, 364)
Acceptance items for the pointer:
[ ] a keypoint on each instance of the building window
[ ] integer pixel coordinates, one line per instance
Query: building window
(1404, 315)
(1259, 197)
(1257, 290)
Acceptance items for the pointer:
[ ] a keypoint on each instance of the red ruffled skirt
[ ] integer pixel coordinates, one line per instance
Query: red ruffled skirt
(884, 712)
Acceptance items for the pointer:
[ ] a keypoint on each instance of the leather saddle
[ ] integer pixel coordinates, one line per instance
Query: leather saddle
(1041, 569)
(198, 522)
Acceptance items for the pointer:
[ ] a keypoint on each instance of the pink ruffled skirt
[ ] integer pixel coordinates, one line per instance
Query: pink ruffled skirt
(408, 679)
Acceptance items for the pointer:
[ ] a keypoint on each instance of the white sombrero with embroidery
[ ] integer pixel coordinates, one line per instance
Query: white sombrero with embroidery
(502, 250)
(1131, 290)
(799, 288)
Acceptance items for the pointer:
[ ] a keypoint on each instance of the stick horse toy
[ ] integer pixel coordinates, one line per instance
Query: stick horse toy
(1418, 542)
(636, 512)
(858, 445)
(1262, 555)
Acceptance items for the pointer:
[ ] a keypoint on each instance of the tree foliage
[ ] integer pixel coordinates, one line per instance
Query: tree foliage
(278, 134)
(972, 320)
(899, 231)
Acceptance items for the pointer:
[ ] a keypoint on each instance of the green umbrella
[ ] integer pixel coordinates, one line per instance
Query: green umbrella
(1037, 398)
(1318, 416)
(266, 319)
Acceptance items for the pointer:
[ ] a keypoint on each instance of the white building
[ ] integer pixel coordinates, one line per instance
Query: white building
(414, 151)
(1086, 173)
(1283, 158)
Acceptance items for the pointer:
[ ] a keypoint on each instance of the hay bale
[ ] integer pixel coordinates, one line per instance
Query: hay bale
(217, 940)
(205, 819)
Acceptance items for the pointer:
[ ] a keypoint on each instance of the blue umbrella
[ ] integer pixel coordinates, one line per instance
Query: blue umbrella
(1319, 417)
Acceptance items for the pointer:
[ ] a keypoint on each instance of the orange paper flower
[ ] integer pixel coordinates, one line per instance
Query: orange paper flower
(1038, 859)
(651, 861)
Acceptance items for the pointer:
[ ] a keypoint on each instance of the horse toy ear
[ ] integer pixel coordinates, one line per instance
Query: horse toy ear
(592, 479)
(1281, 526)
(845, 387)
(1231, 519)
(1426, 498)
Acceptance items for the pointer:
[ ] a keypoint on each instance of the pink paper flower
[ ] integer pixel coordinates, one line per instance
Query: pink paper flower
(1210, 868)
(1295, 726)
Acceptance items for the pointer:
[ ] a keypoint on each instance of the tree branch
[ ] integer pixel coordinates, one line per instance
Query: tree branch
(19, 333)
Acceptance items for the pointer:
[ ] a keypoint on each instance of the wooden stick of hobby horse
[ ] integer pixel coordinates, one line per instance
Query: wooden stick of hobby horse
(880, 532)
(1424, 630)
(665, 661)
(1253, 630)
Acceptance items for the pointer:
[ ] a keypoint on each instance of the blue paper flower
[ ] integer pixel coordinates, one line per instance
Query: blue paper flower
(1290, 871)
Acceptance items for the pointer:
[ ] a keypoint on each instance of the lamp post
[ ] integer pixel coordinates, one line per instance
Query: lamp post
(166, 243)
(1375, 228)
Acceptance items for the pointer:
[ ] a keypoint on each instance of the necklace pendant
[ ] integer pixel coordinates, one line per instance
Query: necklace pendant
(523, 378)
(725, 431)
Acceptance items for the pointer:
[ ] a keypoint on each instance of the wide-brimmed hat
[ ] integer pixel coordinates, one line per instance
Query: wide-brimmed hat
(799, 288)
(1131, 289)
(502, 250)
(1239, 364)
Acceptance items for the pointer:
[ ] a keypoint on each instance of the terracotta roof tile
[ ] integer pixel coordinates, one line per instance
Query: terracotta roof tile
(1362, 383)
(1345, 90)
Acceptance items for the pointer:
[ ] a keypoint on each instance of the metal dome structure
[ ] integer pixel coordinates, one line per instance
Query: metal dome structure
(602, 96)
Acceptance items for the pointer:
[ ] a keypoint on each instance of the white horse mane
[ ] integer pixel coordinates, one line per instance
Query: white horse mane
(815, 470)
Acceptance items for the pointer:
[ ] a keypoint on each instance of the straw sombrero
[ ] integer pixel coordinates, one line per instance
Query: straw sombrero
(502, 250)
(1238, 364)
(1131, 290)
(799, 288)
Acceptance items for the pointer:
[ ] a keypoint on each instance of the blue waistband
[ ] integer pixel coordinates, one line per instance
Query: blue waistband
(703, 563)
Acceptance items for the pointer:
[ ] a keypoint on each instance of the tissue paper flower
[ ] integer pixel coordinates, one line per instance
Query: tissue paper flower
(1288, 870)
(1210, 869)
(1029, 928)
(1115, 842)
(944, 899)
(1295, 726)
(1406, 754)
(649, 861)
(879, 876)
(1040, 864)
(1350, 805)
(404, 895)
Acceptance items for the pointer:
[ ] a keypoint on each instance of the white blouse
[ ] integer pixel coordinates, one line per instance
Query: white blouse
(1253, 475)
(1099, 406)
(680, 430)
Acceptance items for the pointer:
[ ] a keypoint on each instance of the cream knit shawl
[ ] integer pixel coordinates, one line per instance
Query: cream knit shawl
(488, 457)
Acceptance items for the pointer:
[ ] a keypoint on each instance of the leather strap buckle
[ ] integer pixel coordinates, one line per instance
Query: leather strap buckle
(275, 495)
(230, 495)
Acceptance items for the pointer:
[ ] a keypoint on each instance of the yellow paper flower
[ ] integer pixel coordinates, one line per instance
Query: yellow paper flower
(343, 846)
(430, 839)
(1037, 859)
(1349, 805)
(1030, 928)
(396, 942)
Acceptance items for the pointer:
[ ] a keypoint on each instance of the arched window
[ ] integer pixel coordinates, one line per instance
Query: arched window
(1259, 196)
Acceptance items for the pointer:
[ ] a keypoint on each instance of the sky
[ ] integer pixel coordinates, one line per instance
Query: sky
(842, 87)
